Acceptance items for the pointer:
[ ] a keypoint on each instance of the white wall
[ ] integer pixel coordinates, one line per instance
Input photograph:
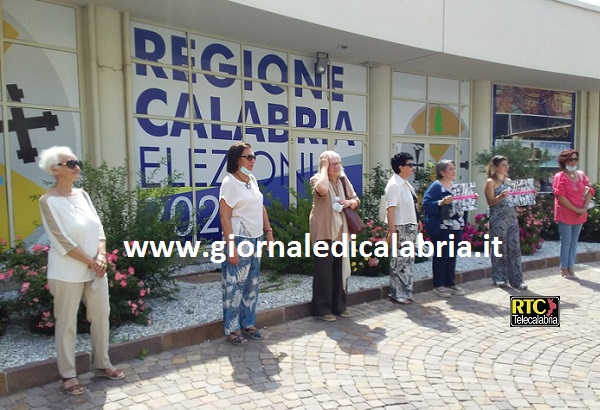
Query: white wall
(543, 35)
(513, 32)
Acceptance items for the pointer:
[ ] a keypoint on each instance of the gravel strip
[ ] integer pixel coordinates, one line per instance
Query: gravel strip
(201, 303)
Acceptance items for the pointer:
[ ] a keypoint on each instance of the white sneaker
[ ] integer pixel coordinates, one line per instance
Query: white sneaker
(442, 291)
(501, 284)
(455, 290)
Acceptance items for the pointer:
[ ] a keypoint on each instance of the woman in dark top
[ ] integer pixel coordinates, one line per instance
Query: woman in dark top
(443, 224)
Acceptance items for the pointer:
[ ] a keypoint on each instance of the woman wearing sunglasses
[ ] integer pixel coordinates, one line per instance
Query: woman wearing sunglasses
(572, 197)
(403, 220)
(76, 266)
(243, 219)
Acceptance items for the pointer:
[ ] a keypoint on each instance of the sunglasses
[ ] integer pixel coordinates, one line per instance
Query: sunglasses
(249, 157)
(410, 165)
(573, 160)
(71, 164)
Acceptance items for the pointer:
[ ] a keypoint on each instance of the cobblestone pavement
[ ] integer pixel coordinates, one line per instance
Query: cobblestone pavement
(437, 353)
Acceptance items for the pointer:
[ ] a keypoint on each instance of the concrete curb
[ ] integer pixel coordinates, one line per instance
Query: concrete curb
(39, 373)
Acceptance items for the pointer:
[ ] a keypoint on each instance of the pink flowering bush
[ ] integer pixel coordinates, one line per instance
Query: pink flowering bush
(28, 268)
(370, 266)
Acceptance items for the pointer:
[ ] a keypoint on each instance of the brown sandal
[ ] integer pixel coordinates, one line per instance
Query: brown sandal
(111, 373)
(73, 386)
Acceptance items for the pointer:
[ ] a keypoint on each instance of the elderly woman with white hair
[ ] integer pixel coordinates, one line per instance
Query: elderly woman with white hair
(332, 192)
(76, 266)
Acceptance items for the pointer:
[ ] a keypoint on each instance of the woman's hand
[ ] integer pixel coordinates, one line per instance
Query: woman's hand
(346, 203)
(233, 259)
(447, 200)
(324, 162)
(99, 265)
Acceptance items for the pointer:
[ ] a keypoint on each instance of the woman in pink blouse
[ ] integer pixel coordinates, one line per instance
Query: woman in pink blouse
(572, 196)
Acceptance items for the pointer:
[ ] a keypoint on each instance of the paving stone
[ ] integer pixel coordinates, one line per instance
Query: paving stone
(455, 353)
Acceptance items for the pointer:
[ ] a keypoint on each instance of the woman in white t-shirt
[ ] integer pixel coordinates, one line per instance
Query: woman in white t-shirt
(243, 220)
(76, 266)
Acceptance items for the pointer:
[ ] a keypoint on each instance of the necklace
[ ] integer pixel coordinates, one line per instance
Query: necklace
(247, 183)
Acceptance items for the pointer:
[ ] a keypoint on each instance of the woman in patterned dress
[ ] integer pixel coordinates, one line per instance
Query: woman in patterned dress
(400, 198)
(506, 268)
(243, 219)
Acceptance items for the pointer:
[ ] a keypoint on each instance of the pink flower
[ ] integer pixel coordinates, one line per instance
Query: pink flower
(370, 223)
(143, 292)
(119, 276)
(32, 273)
(131, 270)
(37, 248)
(6, 275)
(123, 283)
(36, 300)
(46, 314)
(111, 257)
(20, 250)
(373, 262)
(24, 287)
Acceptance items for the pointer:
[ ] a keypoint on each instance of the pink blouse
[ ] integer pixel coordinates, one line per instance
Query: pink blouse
(574, 192)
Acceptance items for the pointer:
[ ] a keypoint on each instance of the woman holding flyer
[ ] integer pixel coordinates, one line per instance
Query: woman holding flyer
(504, 225)
(572, 197)
(443, 224)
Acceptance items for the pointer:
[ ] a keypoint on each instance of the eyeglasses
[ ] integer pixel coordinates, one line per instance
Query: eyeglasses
(410, 165)
(573, 160)
(71, 164)
(336, 164)
(249, 157)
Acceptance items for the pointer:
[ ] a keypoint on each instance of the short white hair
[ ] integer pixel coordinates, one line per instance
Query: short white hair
(51, 157)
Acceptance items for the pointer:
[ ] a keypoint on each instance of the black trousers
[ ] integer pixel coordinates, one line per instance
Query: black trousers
(444, 265)
(328, 286)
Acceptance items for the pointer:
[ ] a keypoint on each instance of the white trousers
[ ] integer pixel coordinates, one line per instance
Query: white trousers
(67, 296)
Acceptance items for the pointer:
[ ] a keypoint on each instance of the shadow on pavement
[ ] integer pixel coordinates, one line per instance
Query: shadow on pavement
(255, 366)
